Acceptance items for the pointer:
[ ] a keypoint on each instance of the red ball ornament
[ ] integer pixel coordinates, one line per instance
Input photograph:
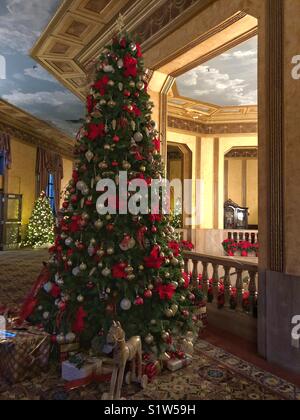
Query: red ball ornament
(137, 94)
(65, 205)
(74, 199)
(88, 202)
(139, 301)
(110, 309)
(116, 139)
(148, 294)
(53, 339)
(110, 227)
(154, 229)
(127, 93)
(192, 297)
(90, 285)
(80, 247)
(115, 164)
(185, 313)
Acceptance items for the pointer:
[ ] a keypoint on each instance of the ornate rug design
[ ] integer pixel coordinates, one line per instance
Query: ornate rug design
(18, 272)
(214, 375)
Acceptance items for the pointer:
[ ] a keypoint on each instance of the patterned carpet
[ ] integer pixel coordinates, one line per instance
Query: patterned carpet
(18, 272)
(214, 374)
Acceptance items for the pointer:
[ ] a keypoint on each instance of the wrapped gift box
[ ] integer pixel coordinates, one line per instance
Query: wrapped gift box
(24, 353)
(91, 368)
(176, 364)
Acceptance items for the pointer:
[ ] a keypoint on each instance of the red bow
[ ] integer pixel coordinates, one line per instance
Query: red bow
(130, 66)
(55, 291)
(78, 326)
(166, 292)
(96, 130)
(101, 85)
(118, 271)
(174, 246)
(154, 261)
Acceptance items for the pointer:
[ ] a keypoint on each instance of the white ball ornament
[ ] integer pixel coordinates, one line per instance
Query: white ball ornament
(106, 272)
(60, 339)
(138, 137)
(149, 339)
(108, 69)
(68, 241)
(76, 271)
(80, 298)
(83, 267)
(70, 337)
(46, 315)
(120, 63)
(125, 304)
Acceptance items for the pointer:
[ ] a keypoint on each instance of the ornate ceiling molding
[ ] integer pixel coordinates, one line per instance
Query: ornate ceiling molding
(81, 28)
(211, 129)
(31, 130)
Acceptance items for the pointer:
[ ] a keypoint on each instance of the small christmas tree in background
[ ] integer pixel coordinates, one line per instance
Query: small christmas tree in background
(41, 224)
(122, 267)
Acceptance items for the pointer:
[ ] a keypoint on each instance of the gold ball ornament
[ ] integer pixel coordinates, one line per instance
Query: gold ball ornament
(169, 313)
(149, 339)
(165, 336)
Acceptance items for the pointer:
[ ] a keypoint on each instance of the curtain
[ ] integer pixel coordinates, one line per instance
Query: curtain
(5, 149)
(49, 163)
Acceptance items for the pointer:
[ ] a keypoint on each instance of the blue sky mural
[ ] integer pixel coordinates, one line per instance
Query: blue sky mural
(28, 85)
(229, 79)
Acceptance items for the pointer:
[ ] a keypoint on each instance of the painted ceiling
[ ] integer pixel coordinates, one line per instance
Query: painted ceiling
(227, 80)
(24, 83)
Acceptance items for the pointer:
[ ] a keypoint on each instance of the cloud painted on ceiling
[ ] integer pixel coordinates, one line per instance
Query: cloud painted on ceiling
(227, 80)
(28, 85)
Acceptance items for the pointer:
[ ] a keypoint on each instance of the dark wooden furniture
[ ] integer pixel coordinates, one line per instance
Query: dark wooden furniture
(10, 221)
(235, 217)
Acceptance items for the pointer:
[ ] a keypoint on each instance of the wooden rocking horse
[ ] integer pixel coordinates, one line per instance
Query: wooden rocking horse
(130, 351)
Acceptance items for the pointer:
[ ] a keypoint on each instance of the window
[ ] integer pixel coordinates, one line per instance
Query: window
(2, 163)
(50, 192)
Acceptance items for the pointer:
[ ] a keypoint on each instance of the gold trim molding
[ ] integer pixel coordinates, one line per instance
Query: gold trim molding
(34, 131)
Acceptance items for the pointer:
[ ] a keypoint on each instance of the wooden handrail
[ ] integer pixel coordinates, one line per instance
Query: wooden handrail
(224, 261)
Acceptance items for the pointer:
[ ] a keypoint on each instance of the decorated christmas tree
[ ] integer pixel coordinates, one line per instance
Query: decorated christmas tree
(124, 267)
(41, 224)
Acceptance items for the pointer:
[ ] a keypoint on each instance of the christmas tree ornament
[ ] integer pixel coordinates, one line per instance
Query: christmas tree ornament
(153, 322)
(111, 103)
(110, 309)
(108, 68)
(89, 156)
(169, 313)
(140, 85)
(110, 251)
(132, 84)
(174, 308)
(60, 339)
(111, 83)
(76, 271)
(98, 224)
(125, 304)
(48, 287)
(148, 294)
(165, 336)
(106, 272)
(68, 241)
(120, 86)
(83, 267)
(133, 46)
(138, 137)
(126, 165)
(80, 298)
(120, 63)
(139, 301)
(46, 315)
(70, 338)
(149, 339)
(174, 262)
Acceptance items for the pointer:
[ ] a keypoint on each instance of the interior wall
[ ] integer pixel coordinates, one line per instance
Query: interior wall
(68, 169)
(21, 176)
(227, 143)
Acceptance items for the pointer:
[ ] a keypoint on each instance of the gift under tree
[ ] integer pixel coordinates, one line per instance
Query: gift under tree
(120, 267)
(41, 224)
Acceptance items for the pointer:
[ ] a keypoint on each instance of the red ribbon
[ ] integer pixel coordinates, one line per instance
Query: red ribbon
(101, 84)
(166, 292)
(96, 130)
(130, 66)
